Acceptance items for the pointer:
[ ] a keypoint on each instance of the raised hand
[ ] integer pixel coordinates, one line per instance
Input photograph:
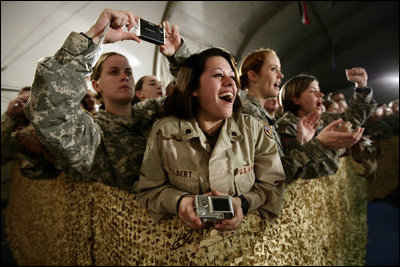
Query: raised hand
(172, 39)
(117, 19)
(306, 127)
(331, 138)
(358, 76)
(187, 214)
(230, 224)
(16, 107)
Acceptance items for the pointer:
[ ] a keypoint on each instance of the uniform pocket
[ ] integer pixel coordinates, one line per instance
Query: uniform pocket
(244, 179)
(184, 179)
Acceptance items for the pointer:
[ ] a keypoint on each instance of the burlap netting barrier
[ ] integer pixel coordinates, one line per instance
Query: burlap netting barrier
(62, 222)
(386, 179)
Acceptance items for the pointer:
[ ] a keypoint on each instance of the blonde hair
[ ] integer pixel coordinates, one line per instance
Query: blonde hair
(96, 72)
(253, 61)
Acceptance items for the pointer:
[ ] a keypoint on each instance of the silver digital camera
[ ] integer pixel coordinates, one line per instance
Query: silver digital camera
(150, 32)
(213, 208)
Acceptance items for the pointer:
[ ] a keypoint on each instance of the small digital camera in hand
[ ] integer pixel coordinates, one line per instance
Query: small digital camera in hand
(213, 208)
(150, 32)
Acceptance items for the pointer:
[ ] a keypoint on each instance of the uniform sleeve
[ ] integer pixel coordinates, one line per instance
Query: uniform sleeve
(267, 193)
(68, 132)
(176, 60)
(312, 160)
(147, 112)
(154, 192)
(309, 161)
(361, 106)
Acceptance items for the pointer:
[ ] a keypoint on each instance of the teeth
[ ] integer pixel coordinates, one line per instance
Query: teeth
(228, 94)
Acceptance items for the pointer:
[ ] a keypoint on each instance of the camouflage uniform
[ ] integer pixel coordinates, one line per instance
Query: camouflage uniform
(360, 108)
(179, 160)
(383, 128)
(106, 148)
(309, 161)
(32, 166)
(312, 160)
(178, 58)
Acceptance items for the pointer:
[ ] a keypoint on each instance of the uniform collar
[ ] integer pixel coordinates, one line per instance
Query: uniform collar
(190, 129)
(291, 117)
(253, 100)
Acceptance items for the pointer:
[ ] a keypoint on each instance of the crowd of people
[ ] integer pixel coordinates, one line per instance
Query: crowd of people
(197, 136)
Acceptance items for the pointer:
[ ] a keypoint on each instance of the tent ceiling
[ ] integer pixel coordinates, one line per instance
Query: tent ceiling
(340, 34)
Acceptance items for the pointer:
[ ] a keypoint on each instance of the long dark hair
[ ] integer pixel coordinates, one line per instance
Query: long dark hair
(181, 103)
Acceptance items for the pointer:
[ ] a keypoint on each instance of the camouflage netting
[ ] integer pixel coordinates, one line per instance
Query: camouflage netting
(386, 179)
(62, 222)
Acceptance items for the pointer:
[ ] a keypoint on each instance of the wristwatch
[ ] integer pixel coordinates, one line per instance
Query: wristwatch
(245, 204)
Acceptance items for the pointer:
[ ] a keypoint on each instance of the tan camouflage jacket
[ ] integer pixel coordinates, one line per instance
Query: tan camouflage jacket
(105, 148)
(179, 160)
(309, 161)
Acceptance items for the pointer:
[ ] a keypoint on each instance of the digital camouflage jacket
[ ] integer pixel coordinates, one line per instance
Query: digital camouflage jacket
(103, 148)
(360, 108)
(312, 160)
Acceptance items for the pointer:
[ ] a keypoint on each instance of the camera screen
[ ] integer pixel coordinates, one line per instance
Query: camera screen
(220, 204)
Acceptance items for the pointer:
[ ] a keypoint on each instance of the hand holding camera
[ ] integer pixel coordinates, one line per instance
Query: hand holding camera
(172, 39)
(223, 211)
(117, 19)
(213, 208)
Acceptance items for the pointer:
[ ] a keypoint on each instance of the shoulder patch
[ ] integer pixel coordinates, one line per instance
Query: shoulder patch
(267, 129)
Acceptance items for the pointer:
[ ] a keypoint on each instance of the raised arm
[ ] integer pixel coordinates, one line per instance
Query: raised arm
(361, 105)
(68, 132)
(174, 49)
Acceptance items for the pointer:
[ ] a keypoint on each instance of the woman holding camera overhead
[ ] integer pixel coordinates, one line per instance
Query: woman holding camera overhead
(109, 146)
(205, 146)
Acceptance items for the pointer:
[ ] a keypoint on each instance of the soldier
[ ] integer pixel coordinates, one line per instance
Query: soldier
(377, 126)
(147, 87)
(393, 119)
(312, 157)
(89, 102)
(301, 95)
(331, 106)
(339, 98)
(20, 144)
(107, 147)
(272, 106)
(261, 76)
(206, 146)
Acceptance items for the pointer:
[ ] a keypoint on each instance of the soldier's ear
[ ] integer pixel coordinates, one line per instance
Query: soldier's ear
(252, 76)
(95, 85)
(296, 100)
(195, 93)
(139, 94)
